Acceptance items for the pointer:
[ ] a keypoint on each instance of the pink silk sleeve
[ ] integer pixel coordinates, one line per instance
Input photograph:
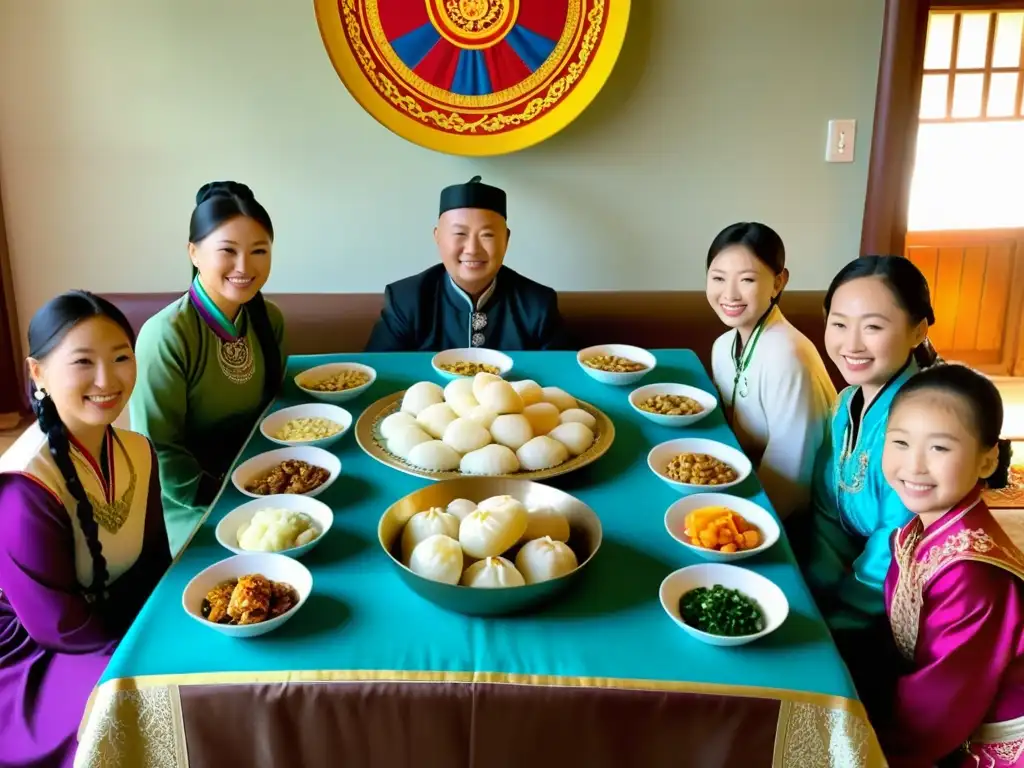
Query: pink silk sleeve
(970, 624)
(37, 570)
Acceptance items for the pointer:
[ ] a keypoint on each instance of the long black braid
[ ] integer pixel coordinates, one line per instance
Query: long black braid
(47, 329)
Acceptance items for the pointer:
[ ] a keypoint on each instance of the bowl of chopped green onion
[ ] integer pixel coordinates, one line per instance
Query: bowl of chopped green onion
(722, 604)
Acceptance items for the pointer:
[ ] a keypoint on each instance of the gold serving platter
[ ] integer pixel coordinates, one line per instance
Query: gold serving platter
(370, 440)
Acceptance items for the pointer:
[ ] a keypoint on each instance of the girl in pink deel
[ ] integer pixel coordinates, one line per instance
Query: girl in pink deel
(954, 593)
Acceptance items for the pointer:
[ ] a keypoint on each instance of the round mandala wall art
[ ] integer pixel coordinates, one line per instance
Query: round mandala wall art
(473, 77)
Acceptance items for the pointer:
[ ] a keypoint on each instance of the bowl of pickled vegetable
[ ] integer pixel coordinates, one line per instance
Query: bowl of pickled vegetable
(723, 605)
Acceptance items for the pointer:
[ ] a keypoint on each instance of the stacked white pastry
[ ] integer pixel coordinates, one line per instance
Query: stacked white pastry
(487, 426)
(467, 543)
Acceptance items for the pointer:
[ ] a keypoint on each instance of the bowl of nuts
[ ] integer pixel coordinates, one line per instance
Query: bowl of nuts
(618, 364)
(317, 424)
(697, 464)
(336, 382)
(672, 405)
(467, 363)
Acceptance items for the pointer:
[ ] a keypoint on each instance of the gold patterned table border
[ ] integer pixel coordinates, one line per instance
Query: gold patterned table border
(140, 717)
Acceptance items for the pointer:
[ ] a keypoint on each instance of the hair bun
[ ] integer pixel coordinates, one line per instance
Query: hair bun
(223, 189)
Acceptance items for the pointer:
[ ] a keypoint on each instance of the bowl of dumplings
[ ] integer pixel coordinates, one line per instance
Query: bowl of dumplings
(484, 426)
(489, 547)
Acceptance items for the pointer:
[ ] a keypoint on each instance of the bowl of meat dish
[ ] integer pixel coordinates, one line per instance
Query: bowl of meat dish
(288, 524)
(467, 363)
(315, 424)
(721, 527)
(248, 595)
(302, 470)
(336, 382)
(617, 364)
(697, 464)
(672, 405)
(723, 605)
(487, 546)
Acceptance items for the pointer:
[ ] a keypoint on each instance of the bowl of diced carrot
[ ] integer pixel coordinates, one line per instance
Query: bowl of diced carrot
(720, 527)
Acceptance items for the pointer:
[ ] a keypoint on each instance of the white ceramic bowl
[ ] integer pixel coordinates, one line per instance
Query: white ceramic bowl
(766, 594)
(319, 373)
(662, 454)
(250, 470)
(320, 513)
(635, 354)
(707, 401)
(499, 360)
(756, 515)
(275, 567)
(276, 421)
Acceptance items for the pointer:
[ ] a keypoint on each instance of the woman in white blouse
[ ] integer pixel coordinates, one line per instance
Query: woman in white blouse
(775, 390)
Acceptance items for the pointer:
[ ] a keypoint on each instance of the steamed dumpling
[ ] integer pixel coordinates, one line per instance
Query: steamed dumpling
(420, 396)
(460, 508)
(543, 417)
(423, 525)
(545, 521)
(543, 559)
(483, 416)
(578, 415)
(393, 423)
(458, 388)
(463, 405)
(434, 419)
(496, 525)
(574, 436)
(492, 572)
(466, 436)
(405, 439)
(435, 456)
(501, 398)
(438, 558)
(541, 453)
(490, 460)
(480, 381)
(512, 430)
(529, 390)
(559, 398)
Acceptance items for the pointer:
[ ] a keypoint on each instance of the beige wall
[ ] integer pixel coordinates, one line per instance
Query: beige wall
(112, 113)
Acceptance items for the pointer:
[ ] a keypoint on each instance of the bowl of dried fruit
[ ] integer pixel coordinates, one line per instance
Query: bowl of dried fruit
(618, 364)
(672, 405)
(467, 363)
(720, 527)
(697, 464)
(302, 469)
(336, 382)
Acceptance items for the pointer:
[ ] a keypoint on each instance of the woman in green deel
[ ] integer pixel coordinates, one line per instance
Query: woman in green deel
(210, 362)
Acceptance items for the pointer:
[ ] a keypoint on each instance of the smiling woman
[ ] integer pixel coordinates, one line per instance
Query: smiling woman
(211, 361)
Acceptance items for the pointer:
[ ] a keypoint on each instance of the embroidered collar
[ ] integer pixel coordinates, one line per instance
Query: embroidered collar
(103, 465)
(225, 329)
(484, 297)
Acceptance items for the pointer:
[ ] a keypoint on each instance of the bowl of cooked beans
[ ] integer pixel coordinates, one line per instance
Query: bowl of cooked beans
(336, 382)
(698, 464)
(721, 527)
(301, 469)
(467, 363)
(672, 405)
(618, 364)
(316, 424)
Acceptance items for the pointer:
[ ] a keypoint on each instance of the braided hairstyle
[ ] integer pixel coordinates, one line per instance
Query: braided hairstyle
(46, 330)
(216, 203)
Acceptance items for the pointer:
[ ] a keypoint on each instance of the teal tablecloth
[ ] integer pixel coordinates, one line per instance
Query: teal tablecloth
(611, 625)
(608, 630)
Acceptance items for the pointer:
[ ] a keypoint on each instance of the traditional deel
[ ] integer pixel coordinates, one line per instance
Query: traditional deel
(473, 77)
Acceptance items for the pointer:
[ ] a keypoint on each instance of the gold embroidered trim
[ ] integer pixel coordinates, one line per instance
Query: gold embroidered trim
(140, 727)
(810, 735)
(111, 516)
(236, 360)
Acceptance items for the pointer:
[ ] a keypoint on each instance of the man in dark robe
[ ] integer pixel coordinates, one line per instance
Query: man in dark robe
(470, 299)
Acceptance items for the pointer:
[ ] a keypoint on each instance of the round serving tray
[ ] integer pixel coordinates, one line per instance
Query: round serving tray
(369, 438)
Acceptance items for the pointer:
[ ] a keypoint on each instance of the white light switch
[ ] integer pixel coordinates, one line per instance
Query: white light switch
(841, 135)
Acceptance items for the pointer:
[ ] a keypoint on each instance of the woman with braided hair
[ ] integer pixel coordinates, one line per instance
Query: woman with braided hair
(82, 536)
(212, 361)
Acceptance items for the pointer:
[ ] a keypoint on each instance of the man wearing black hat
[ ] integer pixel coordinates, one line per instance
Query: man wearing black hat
(469, 299)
